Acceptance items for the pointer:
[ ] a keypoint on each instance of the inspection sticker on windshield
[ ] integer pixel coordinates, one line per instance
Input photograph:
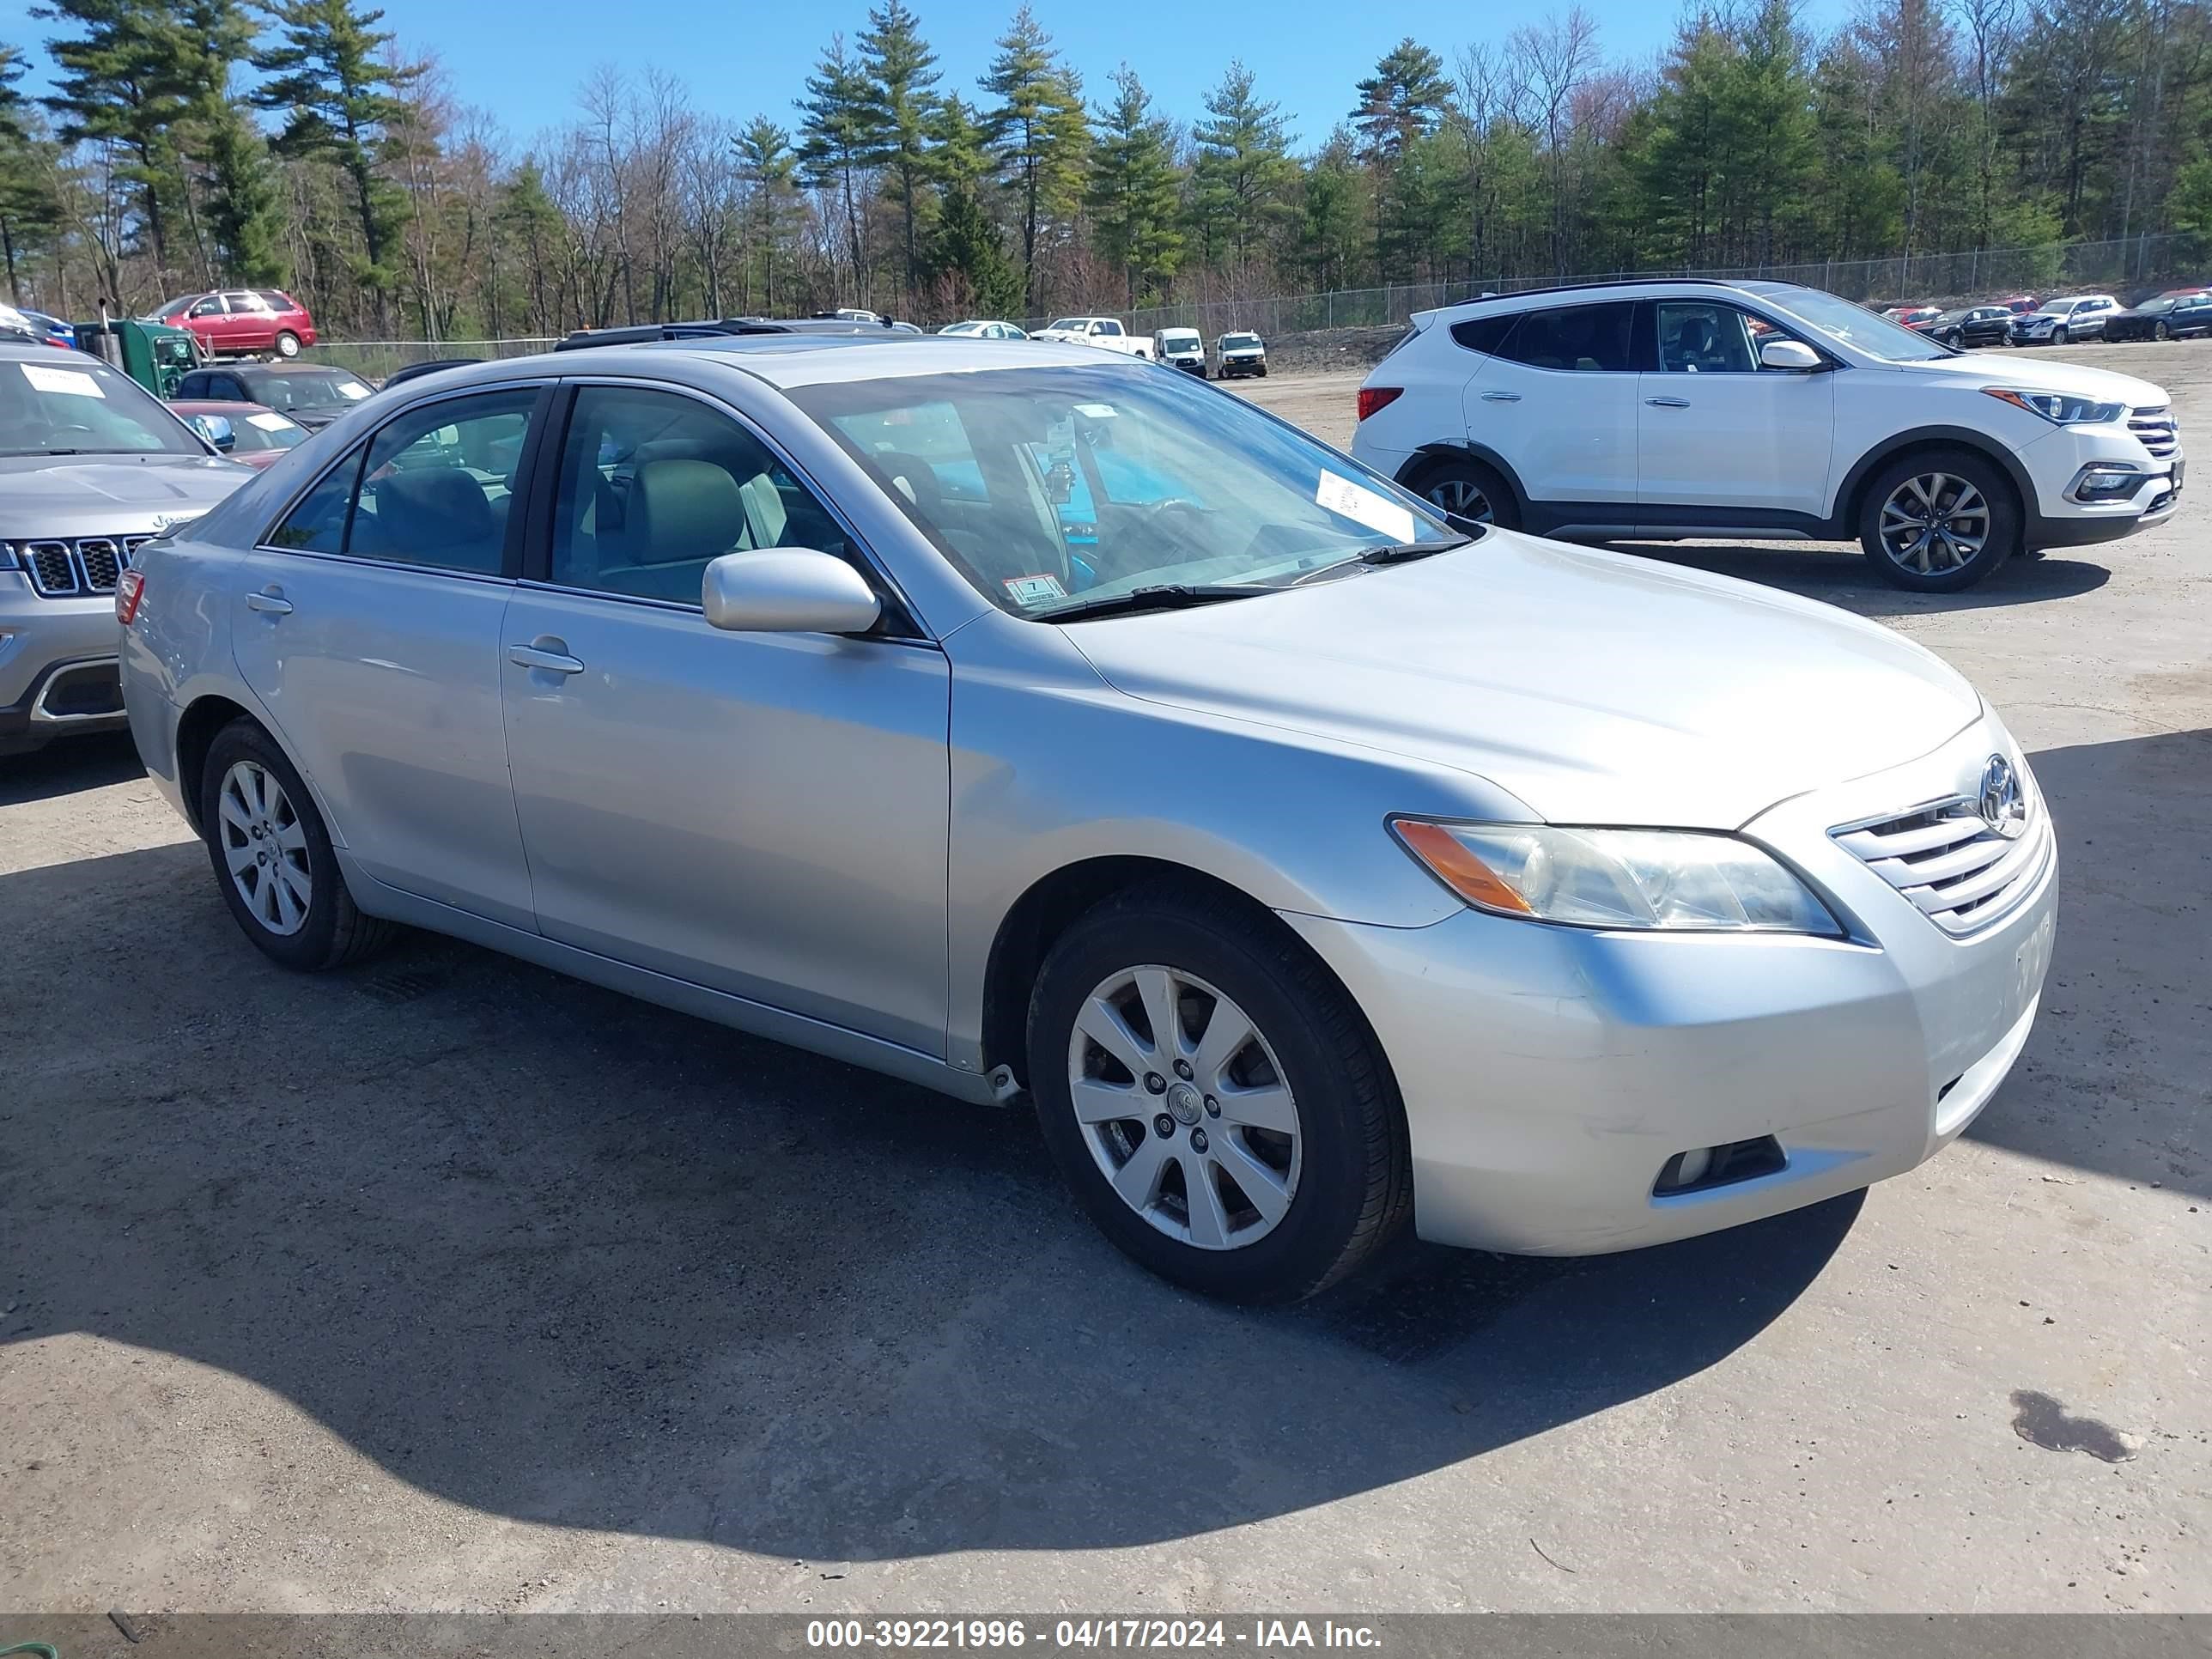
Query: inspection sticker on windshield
(1035, 590)
(267, 422)
(352, 389)
(1355, 502)
(74, 382)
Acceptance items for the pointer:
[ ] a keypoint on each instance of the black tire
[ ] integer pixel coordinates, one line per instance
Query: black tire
(2058, 335)
(2000, 538)
(333, 932)
(1444, 479)
(1354, 1184)
(288, 344)
(2159, 331)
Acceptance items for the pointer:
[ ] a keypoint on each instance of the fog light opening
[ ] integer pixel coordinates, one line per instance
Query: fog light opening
(1704, 1168)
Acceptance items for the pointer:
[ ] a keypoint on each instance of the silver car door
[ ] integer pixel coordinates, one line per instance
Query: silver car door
(368, 626)
(764, 814)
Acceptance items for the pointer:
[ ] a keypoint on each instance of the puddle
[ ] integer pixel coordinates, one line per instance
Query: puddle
(2042, 1421)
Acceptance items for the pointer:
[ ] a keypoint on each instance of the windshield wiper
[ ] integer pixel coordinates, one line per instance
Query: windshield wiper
(1399, 552)
(1166, 596)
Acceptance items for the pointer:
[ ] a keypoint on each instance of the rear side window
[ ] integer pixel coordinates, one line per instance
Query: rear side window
(1585, 339)
(439, 482)
(1485, 334)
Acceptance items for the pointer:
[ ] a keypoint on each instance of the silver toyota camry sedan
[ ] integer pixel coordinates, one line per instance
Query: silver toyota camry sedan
(1035, 725)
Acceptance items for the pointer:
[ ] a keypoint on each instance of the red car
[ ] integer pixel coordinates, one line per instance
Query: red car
(258, 435)
(240, 322)
(1914, 316)
(2019, 304)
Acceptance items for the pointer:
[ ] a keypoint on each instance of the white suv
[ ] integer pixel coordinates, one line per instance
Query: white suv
(1657, 410)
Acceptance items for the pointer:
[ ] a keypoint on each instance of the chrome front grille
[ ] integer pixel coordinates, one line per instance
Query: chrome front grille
(2156, 429)
(1944, 857)
(76, 569)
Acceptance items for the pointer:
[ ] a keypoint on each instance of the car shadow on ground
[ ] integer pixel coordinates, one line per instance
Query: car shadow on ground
(67, 766)
(561, 1256)
(1843, 577)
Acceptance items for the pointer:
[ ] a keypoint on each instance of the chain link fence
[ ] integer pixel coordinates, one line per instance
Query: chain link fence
(2126, 267)
(2134, 262)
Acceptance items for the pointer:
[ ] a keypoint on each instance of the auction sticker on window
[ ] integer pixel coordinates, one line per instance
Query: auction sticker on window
(1362, 505)
(268, 422)
(1035, 590)
(72, 382)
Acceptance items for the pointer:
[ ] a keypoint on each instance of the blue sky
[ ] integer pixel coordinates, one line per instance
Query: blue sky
(523, 62)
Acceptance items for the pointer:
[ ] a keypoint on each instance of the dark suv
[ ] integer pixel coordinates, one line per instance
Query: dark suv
(1971, 325)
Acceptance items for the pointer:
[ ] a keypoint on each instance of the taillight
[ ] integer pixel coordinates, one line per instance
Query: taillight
(128, 588)
(1372, 397)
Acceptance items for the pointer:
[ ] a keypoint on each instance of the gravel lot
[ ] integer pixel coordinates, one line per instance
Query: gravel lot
(450, 1283)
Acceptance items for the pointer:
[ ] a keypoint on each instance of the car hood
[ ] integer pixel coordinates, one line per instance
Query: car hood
(104, 494)
(2041, 374)
(1595, 687)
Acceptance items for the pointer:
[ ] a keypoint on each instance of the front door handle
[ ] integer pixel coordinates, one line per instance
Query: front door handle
(1501, 397)
(553, 662)
(1668, 402)
(271, 599)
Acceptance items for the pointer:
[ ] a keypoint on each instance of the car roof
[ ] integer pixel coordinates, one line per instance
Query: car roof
(795, 360)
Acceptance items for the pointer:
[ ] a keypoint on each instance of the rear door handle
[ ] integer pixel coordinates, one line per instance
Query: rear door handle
(553, 662)
(1501, 397)
(1668, 402)
(270, 600)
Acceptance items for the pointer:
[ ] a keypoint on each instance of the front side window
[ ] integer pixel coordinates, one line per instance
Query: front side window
(75, 404)
(1587, 339)
(655, 486)
(1046, 488)
(317, 522)
(439, 482)
(210, 307)
(1698, 338)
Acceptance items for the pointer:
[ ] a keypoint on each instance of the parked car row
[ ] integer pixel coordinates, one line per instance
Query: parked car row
(2177, 313)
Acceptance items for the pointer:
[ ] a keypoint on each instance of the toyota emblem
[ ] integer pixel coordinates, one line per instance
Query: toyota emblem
(2002, 806)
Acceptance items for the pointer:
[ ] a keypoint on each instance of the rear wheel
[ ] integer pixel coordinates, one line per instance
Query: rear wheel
(1470, 489)
(1938, 520)
(272, 856)
(288, 344)
(1214, 1098)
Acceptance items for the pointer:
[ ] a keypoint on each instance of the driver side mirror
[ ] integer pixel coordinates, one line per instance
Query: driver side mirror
(1791, 355)
(787, 590)
(216, 429)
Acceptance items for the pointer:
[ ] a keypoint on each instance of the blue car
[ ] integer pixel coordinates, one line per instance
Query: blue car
(57, 332)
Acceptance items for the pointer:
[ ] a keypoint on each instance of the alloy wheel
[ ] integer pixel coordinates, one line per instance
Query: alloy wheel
(1934, 522)
(1461, 498)
(266, 847)
(1184, 1107)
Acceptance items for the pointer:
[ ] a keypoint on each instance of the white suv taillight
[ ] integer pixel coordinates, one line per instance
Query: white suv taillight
(130, 586)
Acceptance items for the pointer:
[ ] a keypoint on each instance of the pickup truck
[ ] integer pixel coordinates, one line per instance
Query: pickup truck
(1106, 331)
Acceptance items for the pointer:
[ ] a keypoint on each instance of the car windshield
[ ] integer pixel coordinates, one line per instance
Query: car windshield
(2158, 305)
(1070, 322)
(307, 388)
(2055, 308)
(77, 405)
(1176, 342)
(1049, 487)
(1239, 342)
(1857, 326)
(264, 429)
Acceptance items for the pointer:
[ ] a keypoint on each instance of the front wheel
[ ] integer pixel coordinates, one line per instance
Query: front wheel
(1939, 520)
(2058, 336)
(1215, 1099)
(2162, 331)
(272, 856)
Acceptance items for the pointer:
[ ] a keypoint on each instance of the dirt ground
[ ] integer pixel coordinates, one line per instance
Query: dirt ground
(451, 1284)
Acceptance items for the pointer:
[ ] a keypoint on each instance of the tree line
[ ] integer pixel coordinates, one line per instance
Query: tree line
(185, 144)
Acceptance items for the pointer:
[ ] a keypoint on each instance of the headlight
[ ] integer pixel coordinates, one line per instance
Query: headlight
(1671, 879)
(2061, 408)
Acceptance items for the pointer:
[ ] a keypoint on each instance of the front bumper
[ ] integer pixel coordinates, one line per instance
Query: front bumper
(57, 665)
(1231, 366)
(1550, 1073)
(2055, 461)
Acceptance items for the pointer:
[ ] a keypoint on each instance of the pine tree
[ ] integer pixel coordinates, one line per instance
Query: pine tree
(232, 158)
(768, 170)
(902, 82)
(1400, 104)
(1132, 194)
(964, 252)
(841, 138)
(341, 94)
(1242, 171)
(121, 82)
(1038, 131)
(28, 212)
